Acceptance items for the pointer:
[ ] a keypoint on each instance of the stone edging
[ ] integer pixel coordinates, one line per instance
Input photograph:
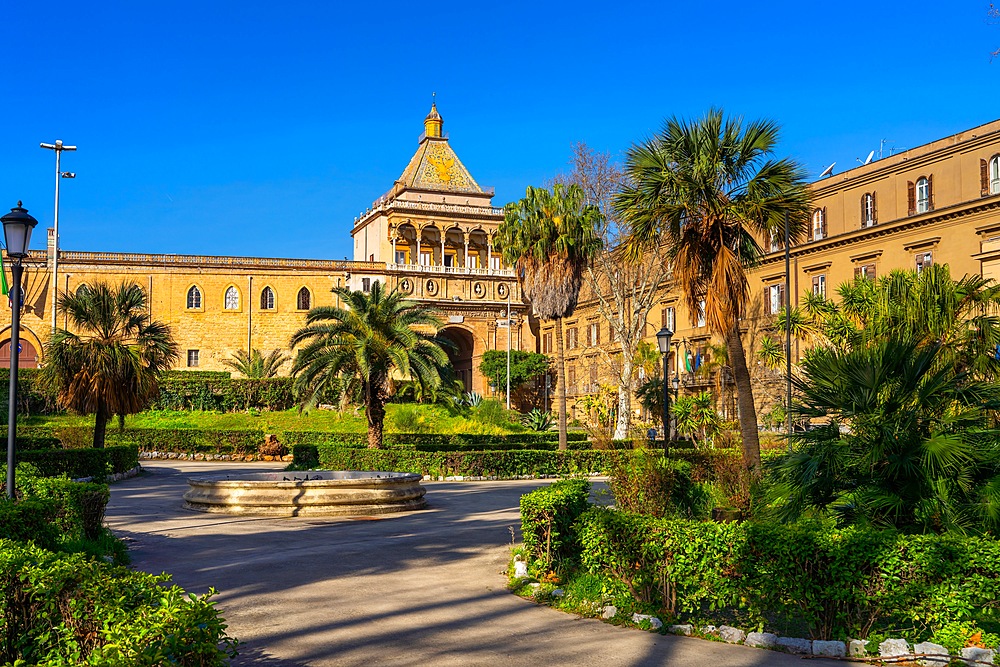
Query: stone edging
(188, 456)
(895, 650)
(116, 477)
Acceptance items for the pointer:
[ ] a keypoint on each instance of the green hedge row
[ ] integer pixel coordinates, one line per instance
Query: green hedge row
(67, 609)
(496, 463)
(224, 394)
(76, 463)
(838, 583)
(437, 441)
(547, 519)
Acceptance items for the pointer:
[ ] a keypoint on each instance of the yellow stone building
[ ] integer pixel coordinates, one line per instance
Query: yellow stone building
(430, 235)
(939, 202)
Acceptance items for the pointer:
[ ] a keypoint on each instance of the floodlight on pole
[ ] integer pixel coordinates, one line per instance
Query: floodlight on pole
(58, 147)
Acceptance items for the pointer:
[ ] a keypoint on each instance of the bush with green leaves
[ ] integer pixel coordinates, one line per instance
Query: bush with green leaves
(67, 609)
(547, 518)
(834, 583)
(539, 420)
(79, 463)
(651, 483)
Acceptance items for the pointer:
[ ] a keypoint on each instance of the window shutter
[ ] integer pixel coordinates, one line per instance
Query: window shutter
(781, 295)
(930, 192)
(984, 178)
(857, 272)
(911, 198)
(864, 210)
(767, 301)
(824, 223)
(874, 209)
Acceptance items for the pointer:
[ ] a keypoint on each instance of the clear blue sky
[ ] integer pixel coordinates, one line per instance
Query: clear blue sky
(263, 128)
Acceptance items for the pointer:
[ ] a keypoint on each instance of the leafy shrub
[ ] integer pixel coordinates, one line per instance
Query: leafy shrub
(547, 518)
(409, 418)
(538, 420)
(29, 521)
(76, 463)
(186, 391)
(437, 441)
(838, 582)
(67, 609)
(79, 507)
(653, 484)
(493, 413)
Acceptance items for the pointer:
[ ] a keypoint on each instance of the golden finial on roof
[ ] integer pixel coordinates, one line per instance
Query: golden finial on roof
(433, 123)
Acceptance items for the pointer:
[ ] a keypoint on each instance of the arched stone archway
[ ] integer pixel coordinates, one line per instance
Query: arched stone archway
(461, 353)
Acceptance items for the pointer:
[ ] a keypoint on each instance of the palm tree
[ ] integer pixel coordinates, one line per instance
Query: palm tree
(374, 337)
(257, 366)
(111, 363)
(550, 238)
(711, 190)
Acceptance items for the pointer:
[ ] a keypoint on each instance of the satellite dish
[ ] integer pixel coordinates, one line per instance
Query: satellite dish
(869, 158)
(827, 171)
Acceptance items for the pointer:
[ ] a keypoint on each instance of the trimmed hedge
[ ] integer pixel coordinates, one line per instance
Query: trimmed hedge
(30, 520)
(496, 463)
(78, 507)
(67, 609)
(178, 392)
(76, 463)
(547, 518)
(431, 442)
(839, 583)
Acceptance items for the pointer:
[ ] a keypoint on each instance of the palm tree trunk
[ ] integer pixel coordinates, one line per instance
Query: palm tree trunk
(375, 411)
(744, 392)
(561, 382)
(100, 424)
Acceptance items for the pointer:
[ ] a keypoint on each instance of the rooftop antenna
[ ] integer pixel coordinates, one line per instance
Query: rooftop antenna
(827, 171)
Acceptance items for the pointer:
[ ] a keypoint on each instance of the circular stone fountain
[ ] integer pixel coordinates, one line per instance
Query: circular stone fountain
(307, 493)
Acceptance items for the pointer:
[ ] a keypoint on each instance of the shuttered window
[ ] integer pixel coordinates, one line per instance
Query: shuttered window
(774, 299)
(868, 210)
(819, 285)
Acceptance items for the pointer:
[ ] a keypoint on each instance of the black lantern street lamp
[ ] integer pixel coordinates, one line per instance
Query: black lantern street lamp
(663, 337)
(17, 226)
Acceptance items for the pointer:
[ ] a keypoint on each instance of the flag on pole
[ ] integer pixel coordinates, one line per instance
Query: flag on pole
(3, 276)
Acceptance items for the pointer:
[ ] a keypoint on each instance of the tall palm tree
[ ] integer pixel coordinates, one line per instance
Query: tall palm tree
(257, 365)
(111, 360)
(374, 337)
(712, 191)
(550, 237)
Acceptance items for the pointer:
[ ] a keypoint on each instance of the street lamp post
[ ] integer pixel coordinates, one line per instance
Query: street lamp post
(17, 226)
(509, 327)
(58, 147)
(663, 337)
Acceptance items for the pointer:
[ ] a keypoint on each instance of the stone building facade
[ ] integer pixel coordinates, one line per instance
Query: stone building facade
(430, 235)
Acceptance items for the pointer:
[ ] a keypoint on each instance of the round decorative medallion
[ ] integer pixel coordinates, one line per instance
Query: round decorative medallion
(502, 290)
(432, 287)
(405, 285)
(478, 290)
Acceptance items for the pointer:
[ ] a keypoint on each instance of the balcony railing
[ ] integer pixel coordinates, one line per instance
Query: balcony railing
(451, 270)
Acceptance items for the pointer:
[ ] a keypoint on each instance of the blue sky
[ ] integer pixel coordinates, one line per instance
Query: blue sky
(263, 128)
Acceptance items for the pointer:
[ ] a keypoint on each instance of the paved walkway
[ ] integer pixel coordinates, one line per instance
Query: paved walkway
(423, 588)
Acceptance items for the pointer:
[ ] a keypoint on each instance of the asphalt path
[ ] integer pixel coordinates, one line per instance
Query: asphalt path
(418, 588)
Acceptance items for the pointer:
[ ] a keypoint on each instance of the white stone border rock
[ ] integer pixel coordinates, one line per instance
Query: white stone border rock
(116, 477)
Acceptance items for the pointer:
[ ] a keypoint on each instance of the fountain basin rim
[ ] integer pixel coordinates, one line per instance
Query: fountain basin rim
(308, 478)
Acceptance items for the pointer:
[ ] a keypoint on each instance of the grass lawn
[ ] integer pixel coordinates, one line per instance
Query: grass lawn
(407, 418)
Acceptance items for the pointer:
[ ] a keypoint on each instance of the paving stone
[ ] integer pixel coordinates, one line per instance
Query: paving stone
(609, 611)
(929, 648)
(731, 635)
(685, 629)
(709, 629)
(761, 639)
(981, 655)
(795, 645)
(893, 648)
(520, 569)
(829, 649)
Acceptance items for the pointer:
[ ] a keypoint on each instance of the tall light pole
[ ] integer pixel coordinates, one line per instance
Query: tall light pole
(17, 226)
(58, 147)
(788, 335)
(509, 327)
(663, 337)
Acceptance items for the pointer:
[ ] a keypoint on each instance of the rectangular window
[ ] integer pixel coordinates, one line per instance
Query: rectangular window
(571, 380)
(594, 334)
(426, 258)
(366, 284)
(571, 338)
(819, 285)
(400, 257)
(701, 314)
(668, 318)
(449, 260)
(593, 377)
(777, 242)
(865, 271)
(774, 299)
(192, 358)
(923, 260)
(496, 262)
(473, 261)
(547, 343)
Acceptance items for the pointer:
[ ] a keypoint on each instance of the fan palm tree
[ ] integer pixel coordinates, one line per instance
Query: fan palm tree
(373, 337)
(110, 363)
(550, 238)
(711, 190)
(257, 365)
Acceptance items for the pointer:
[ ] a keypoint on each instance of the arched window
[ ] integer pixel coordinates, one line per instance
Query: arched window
(232, 298)
(194, 297)
(304, 300)
(82, 289)
(995, 175)
(267, 299)
(923, 195)
(867, 209)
